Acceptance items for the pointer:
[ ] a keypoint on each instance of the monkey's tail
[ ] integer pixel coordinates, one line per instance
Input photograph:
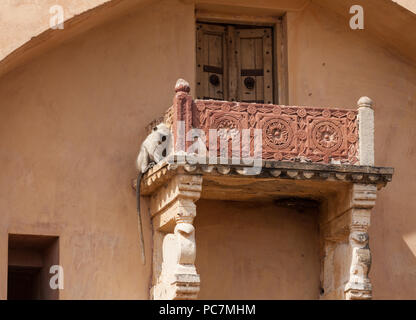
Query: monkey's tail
(140, 227)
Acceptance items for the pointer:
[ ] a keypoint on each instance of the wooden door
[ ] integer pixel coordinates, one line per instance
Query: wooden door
(234, 63)
(211, 62)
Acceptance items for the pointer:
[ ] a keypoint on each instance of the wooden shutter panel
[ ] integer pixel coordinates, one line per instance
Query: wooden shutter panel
(255, 64)
(211, 62)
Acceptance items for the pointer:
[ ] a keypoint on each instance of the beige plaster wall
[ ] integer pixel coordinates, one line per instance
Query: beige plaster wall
(256, 251)
(72, 122)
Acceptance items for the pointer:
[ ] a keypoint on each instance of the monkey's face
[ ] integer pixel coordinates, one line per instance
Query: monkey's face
(162, 132)
(162, 136)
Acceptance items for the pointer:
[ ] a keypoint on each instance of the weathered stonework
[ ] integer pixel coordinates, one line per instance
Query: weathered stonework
(346, 243)
(309, 153)
(377, 176)
(344, 223)
(363, 200)
(173, 210)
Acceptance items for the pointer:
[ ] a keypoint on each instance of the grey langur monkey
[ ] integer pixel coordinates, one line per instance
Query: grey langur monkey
(156, 146)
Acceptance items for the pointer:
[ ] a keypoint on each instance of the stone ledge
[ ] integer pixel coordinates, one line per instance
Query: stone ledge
(160, 173)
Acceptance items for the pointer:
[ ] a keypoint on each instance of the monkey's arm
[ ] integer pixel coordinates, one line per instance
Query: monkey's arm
(157, 157)
(143, 160)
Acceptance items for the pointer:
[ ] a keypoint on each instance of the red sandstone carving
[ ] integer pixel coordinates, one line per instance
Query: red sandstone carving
(290, 133)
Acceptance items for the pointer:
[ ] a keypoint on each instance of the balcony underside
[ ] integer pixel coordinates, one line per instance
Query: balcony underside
(277, 179)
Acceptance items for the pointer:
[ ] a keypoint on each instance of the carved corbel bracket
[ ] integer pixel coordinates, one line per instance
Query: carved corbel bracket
(173, 210)
(359, 284)
(346, 245)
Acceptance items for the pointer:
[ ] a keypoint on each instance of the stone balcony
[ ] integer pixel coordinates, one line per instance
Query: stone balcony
(323, 154)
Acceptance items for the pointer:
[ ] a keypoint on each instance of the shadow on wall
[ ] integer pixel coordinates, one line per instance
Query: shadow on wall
(257, 250)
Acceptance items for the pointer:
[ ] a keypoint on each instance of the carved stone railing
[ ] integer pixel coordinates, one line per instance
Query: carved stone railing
(289, 133)
(318, 153)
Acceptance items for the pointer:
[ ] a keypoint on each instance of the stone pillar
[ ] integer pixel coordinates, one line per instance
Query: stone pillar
(359, 285)
(173, 210)
(366, 131)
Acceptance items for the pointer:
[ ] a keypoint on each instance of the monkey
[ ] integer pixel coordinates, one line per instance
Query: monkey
(154, 149)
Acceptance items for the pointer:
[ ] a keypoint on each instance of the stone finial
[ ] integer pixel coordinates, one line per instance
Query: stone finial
(182, 86)
(365, 102)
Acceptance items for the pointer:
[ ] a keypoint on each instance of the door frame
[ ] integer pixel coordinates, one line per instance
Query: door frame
(279, 31)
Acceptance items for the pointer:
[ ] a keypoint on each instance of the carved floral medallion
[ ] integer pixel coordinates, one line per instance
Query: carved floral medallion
(326, 136)
(277, 133)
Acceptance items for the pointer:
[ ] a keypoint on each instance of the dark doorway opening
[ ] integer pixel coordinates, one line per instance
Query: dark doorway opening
(30, 258)
(23, 283)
